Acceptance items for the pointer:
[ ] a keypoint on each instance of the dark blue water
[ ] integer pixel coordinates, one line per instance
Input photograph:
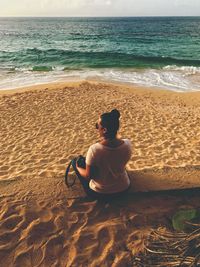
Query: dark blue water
(158, 51)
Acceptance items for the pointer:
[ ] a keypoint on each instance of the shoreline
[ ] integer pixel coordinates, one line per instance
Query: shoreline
(171, 78)
(187, 97)
(77, 82)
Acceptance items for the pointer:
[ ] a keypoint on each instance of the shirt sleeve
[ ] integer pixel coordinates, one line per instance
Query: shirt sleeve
(129, 148)
(90, 156)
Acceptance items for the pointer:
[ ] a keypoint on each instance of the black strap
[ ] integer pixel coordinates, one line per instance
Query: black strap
(80, 160)
(66, 176)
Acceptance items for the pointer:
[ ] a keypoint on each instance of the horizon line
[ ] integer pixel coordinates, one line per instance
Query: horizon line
(139, 16)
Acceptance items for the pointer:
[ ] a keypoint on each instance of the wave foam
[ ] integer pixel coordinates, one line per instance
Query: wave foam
(170, 77)
(188, 70)
(171, 80)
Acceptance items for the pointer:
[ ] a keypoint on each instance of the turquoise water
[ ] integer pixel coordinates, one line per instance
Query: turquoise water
(151, 51)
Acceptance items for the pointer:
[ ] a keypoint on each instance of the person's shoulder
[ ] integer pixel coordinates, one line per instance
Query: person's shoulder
(95, 146)
(127, 141)
(95, 149)
(128, 146)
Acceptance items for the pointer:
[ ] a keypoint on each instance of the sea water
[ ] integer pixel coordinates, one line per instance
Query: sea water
(161, 52)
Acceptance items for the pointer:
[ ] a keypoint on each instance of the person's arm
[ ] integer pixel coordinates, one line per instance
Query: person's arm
(86, 173)
(90, 171)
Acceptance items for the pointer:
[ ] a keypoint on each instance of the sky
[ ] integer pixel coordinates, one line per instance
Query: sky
(71, 8)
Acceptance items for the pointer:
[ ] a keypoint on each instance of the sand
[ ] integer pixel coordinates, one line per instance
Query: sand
(42, 222)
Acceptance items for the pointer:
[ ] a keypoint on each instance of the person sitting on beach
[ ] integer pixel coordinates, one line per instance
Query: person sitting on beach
(105, 174)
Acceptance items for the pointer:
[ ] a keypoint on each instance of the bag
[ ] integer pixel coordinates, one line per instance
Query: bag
(80, 160)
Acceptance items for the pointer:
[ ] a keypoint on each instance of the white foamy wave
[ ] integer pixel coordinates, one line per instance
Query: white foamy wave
(187, 70)
(171, 80)
(30, 69)
(170, 77)
(28, 78)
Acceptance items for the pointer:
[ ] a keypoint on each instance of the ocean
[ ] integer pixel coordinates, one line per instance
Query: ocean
(160, 52)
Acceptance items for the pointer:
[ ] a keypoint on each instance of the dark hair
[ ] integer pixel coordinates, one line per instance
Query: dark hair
(110, 121)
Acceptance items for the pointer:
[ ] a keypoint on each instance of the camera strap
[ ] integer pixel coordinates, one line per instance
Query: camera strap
(67, 174)
(80, 160)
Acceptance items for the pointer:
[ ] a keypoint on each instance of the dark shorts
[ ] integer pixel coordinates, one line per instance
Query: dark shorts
(93, 194)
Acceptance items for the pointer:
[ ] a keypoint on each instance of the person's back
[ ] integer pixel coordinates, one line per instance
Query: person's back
(110, 162)
(105, 173)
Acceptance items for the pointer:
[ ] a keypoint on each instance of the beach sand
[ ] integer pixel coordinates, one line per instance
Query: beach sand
(42, 222)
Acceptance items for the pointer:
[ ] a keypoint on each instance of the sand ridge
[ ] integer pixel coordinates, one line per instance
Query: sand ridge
(41, 130)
